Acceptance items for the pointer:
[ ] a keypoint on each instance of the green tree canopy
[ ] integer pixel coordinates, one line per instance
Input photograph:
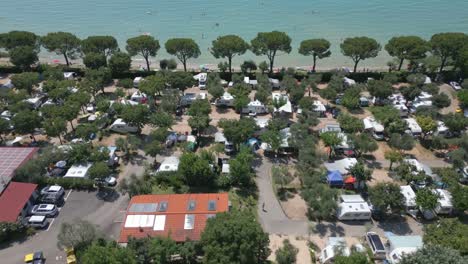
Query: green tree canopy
(317, 48)
(99, 170)
(360, 48)
(269, 44)
(393, 156)
(238, 131)
(23, 56)
(427, 124)
(26, 122)
(364, 143)
(449, 233)
(103, 252)
(361, 173)
(94, 60)
(286, 254)
(331, 139)
(234, 237)
(351, 98)
(386, 197)
(240, 168)
(25, 81)
(441, 100)
(426, 199)
(379, 88)
(350, 124)
(78, 234)
(62, 43)
(455, 122)
(228, 47)
(183, 49)
(136, 115)
(434, 255)
(354, 258)
(447, 45)
(55, 127)
(152, 85)
(120, 62)
(407, 48)
(105, 45)
(321, 201)
(196, 170)
(14, 39)
(145, 46)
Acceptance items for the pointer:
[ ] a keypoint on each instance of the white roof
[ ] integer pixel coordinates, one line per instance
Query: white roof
(413, 125)
(139, 221)
(427, 80)
(424, 96)
(68, 74)
(354, 207)
(273, 81)
(349, 81)
(138, 94)
(119, 121)
(415, 163)
(370, 122)
(255, 103)
(137, 79)
(202, 96)
(285, 135)
(189, 221)
(169, 164)
(219, 137)
(262, 122)
(246, 79)
(225, 168)
(410, 196)
(191, 138)
(397, 254)
(352, 198)
(78, 171)
(159, 223)
(37, 218)
(55, 188)
(227, 96)
(400, 107)
(441, 127)
(287, 107)
(445, 198)
(319, 107)
(341, 165)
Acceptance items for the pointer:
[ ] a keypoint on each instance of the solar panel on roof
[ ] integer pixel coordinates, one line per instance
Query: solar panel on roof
(143, 208)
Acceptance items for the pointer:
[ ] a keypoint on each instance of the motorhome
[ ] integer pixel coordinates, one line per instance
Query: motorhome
(275, 83)
(202, 80)
(413, 126)
(376, 245)
(423, 99)
(121, 126)
(353, 207)
(255, 107)
(444, 203)
(348, 82)
(409, 200)
(374, 128)
(78, 170)
(136, 81)
(169, 164)
(286, 109)
(227, 100)
(188, 98)
(319, 108)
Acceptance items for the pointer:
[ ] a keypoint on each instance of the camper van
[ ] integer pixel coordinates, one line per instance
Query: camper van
(414, 128)
(376, 245)
(353, 207)
(227, 100)
(202, 80)
(255, 107)
(409, 200)
(120, 126)
(444, 203)
(375, 128)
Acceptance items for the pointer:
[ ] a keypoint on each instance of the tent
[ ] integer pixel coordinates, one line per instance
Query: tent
(334, 178)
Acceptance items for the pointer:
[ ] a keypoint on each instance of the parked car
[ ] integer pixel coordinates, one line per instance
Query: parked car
(38, 221)
(54, 189)
(108, 181)
(52, 199)
(456, 86)
(35, 258)
(376, 245)
(49, 210)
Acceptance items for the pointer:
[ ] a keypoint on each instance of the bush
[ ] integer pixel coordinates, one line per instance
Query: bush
(10, 231)
(126, 83)
(69, 183)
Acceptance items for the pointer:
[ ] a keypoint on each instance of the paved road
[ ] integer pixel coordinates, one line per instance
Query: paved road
(448, 90)
(274, 220)
(107, 215)
(433, 163)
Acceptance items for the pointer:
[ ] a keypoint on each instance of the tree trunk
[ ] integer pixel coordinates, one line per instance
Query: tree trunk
(60, 138)
(401, 64)
(315, 63)
(355, 65)
(272, 61)
(230, 64)
(71, 124)
(147, 63)
(391, 163)
(442, 64)
(66, 58)
(184, 62)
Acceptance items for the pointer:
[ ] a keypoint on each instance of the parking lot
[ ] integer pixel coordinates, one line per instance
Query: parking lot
(106, 213)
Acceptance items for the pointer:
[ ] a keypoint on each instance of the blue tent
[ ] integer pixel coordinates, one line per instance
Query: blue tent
(334, 178)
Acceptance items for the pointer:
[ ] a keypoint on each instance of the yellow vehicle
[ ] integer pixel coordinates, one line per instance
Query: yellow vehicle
(71, 258)
(35, 258)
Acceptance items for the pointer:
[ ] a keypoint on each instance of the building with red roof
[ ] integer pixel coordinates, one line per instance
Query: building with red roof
(16, 200)
(178, 216)
(11, 158)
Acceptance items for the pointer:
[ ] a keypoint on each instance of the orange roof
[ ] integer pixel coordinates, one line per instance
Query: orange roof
(175, 214)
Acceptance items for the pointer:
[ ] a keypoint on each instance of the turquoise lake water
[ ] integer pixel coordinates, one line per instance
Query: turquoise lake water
(204, 20)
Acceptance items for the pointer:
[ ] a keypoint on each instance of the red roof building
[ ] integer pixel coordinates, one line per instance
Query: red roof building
(11, 158)
(16, 200)
(178, 216)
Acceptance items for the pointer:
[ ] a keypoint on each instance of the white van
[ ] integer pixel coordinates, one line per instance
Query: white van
(120, 126)
(136, 81)
(202, 80)
(38, 221)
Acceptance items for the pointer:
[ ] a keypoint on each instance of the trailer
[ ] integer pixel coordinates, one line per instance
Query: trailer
(353, 207)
